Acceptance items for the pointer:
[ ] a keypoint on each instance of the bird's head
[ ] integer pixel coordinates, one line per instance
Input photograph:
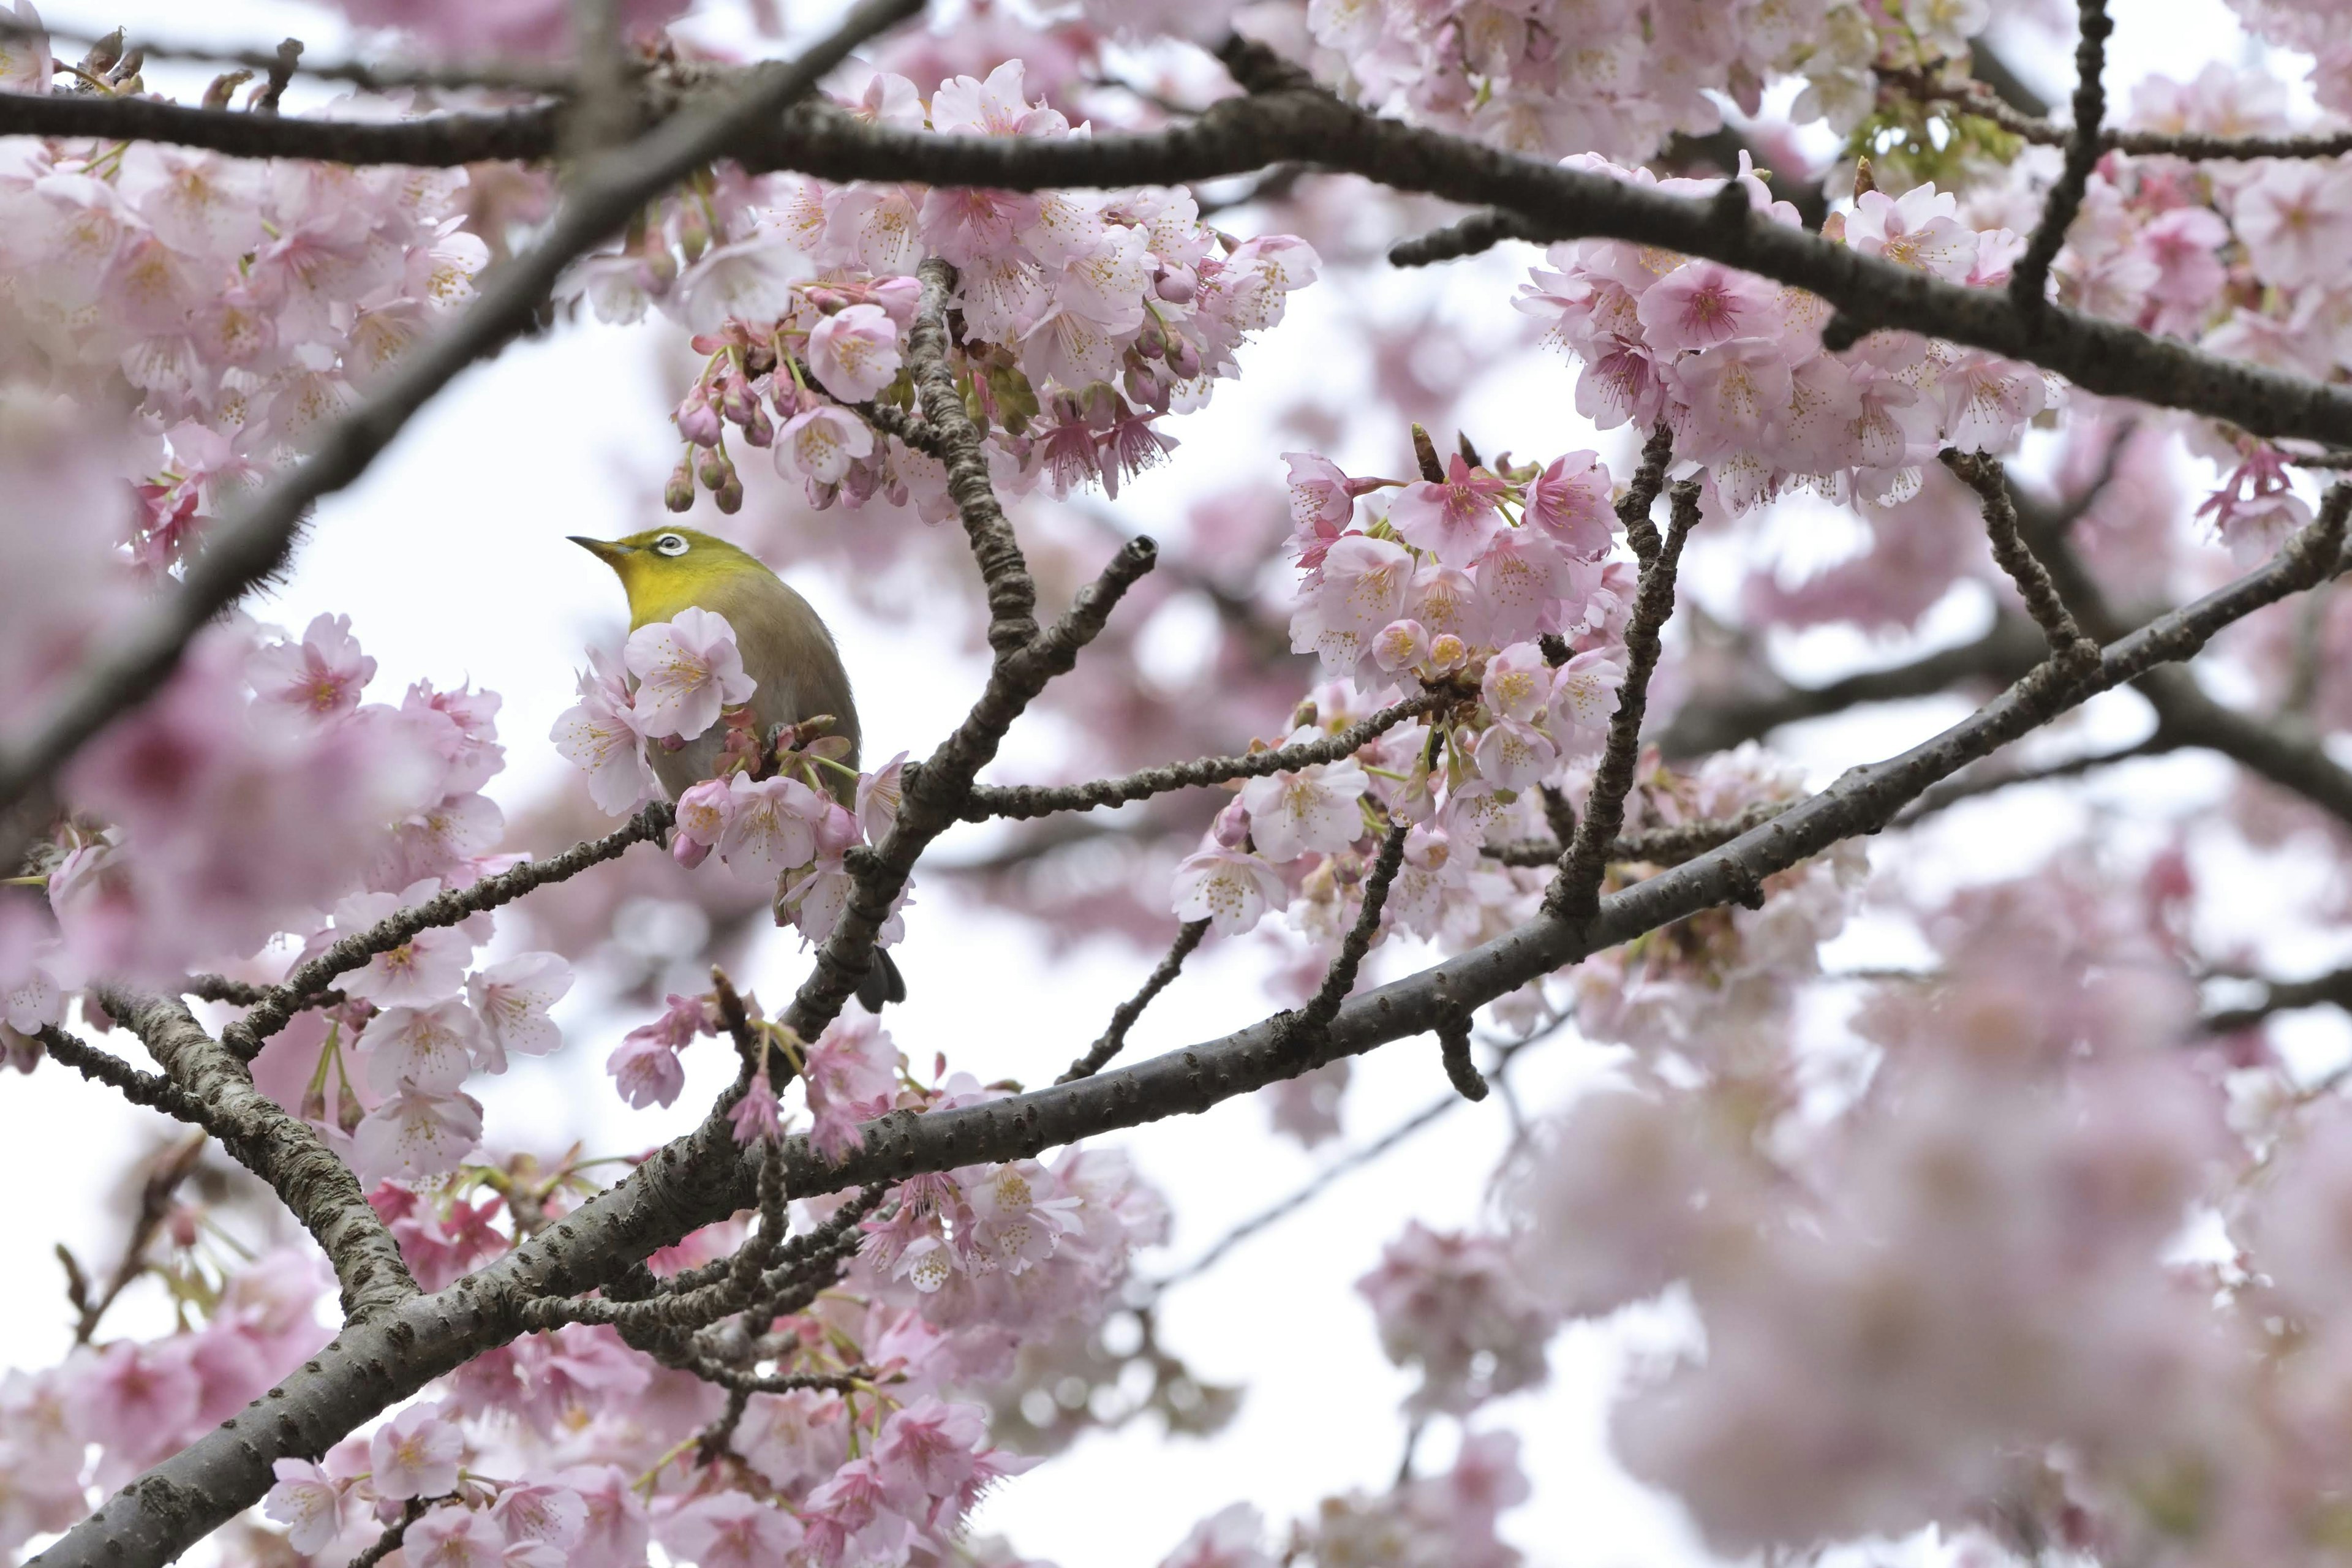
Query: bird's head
(665, 570)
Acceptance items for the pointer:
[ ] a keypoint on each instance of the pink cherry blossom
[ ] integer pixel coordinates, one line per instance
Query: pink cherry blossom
(1312, 809)
(600, 736)
(430, 1050)
(427, 968)
(307, 1503)
(1569, 501)
(321, 675)
(1452, 521)
(416, 1454)
(855, 352)
(771, 826)
(820, 443)
(646, 1072)
(728, 1529)
(2295, 219)
(415, 1134)
(1230, 889)
(511, 998)
(1233, 1537)
(455, 1537)
(688, 667)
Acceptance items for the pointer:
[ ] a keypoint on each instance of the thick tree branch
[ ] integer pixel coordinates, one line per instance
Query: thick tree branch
(279, 1147)
(1297, 123)
(246, 548)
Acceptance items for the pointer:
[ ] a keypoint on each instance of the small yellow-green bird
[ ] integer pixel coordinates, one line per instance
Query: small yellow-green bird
(785, 648)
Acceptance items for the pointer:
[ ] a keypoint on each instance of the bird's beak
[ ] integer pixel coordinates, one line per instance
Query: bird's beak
(607, 550)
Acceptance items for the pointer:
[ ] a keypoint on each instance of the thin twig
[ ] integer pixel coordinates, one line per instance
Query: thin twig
(1123, 1016)
(1575, 890)
(1020, 802)
(306, 986)
(2029, 280)
(1312, 1020)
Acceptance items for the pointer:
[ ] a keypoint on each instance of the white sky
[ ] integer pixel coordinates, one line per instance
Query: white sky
(449, 558)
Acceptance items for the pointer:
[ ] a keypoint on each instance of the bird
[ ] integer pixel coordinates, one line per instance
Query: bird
(786, 649)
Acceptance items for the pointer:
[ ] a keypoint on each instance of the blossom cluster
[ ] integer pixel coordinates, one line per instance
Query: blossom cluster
(1083, 318)
(237, 305)
(110, 1410)
(772, 808)
(1448, 588)
(1615, 77)
(1733, 363)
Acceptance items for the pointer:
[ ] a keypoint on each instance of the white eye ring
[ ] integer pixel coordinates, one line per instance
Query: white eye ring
(670, 544)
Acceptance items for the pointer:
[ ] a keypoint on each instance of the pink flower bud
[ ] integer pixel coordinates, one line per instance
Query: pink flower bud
(759, 430)
(697, 420)
(689, 852)
(1232, 827)
(678, 495)
(736, 399)
(1183, 358)
(1177, 285)
(1401, 645)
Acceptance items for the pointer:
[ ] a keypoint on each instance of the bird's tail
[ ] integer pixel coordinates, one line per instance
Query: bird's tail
(883, 983)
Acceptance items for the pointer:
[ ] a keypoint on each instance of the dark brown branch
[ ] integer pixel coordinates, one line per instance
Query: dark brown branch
(1977, 99)
(244, 549)
(2033, 578)
(2333, 989)
(1310, 1022)
(2004, 654)
(1025, 658)
(2029, 280)
(1018, 802)
(1453, 1052)
(307, 986)
(384, 1545)
(1575, 891)
(1123, 1016)
(1482, 230)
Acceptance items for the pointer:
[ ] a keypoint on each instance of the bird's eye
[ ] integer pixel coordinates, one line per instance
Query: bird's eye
(670, 544)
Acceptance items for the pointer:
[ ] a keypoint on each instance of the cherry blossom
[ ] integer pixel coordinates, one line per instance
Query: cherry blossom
(688, 669)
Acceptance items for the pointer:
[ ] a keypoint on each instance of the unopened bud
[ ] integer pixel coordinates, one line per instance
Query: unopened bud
(678, 495)
(689, 852)
(1178, 285)
(697, 421)
(735, 398)
(712, 467)
(759, 430)
(1232, 827)
(729, 496)
(1183, 358)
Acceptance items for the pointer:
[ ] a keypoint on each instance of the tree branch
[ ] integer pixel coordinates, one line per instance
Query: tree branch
(1019, 802)
(307, 986)
(279, 1147)
(1123, 1016)
(2029, 280)
(1575, 891)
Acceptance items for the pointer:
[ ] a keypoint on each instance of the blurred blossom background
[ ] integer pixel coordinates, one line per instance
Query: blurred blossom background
(450, 558)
